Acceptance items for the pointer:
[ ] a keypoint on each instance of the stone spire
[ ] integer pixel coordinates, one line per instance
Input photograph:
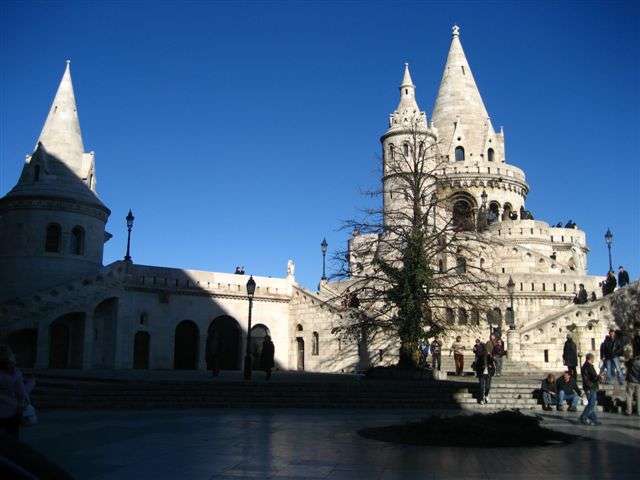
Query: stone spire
(407, 110)
(61, 136)
(459, 107)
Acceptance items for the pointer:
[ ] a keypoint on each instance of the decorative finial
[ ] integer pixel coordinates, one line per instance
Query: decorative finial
(406, 64)
(68, 61)
(455, 31)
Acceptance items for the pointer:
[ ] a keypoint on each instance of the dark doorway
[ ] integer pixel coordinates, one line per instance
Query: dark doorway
(185, 354)
(66, 341)
(141, 350)
(23, 343)
(59, 349)
(223, 343)
(105, 322)
(258, 333)
(300, 343)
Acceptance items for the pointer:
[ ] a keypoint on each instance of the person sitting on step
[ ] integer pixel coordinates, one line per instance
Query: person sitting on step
(549, 392)
(568, 390)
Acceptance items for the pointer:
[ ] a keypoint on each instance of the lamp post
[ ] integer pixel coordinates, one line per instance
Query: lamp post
(323, 247)
(484, 196)
(608, 238)
(130, 218)
(511, 286)
(251, 290)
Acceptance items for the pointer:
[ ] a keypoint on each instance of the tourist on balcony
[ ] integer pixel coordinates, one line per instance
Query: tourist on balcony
(611, 352)
(583, 296)
(593, 296)
(623, 277)
(632, 364)
(590, 384)
(498, 354)
(436, 351)
(458, 348)
(485, 369)
(609, 284)
(570, 356)
(549, 392)
(568, 390)
(267, 355)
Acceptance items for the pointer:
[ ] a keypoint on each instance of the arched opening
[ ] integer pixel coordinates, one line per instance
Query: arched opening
(223, 343)
(298, 328)
(506, 213)
(440, 266)
(494, 318)
(494, 212)
(66, 341)
(300, 353)
(105, 320)
(450, 316)
(490, 155)
(459, 154)
(24, 343)
(258, 334)
(475, 317)
(461, 265)
(53, 237)
(315, 345)
(392, 152)
(76, 244)
(141, 344)
(463, 216)
(185, 353)
(463, 318)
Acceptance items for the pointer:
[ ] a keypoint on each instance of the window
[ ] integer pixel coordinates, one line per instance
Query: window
(299, 328)
(490, 154)
(463, 217)
(315, 344)
(459, 154)
(475, 317)
(76, 246)
(421, 150)
(36, 173)
(392, 152)
(462, 316)
(406, 149)
(52, 241)
(450, 316)
(461, 265)
(440, 266)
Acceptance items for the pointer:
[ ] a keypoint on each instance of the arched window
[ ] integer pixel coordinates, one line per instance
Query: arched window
(475, 317)
(36, 173)
(421, 150)
(76, 245)
(459, 154)
(462, 316)
(461, 265)
(463, 215)
(450, 316)
(506, 213)
(392, 152)
(406, 149)
(440, 266)
(299, 328)
(315, 344)
(490, 154)
(52, 240)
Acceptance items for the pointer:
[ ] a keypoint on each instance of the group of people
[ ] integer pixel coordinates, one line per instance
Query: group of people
(239, 270)
(557, 392)
(609, 284)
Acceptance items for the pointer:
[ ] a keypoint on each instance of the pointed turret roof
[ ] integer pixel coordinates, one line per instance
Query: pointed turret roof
(458, 98)
(407, 110)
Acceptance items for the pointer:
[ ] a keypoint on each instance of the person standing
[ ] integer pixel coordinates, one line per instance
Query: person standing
(457, 348)
(633, 381)
(570, 356)
(477, 348)
(424, 353)
(568, 390)
(623, 277)
(611, 351)
(266, 357)
(590, 385)
(436, 351)
(498, 354)
(485, 369)
(610, 283)
(549, 392)
(583, 296)
(14, 394)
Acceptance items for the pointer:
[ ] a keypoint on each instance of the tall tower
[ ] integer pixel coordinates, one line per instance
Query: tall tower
(52, 224)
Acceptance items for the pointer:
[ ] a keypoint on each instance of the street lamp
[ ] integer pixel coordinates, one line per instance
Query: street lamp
(511, 287)
(323, 247)
(608, 237)
(130, 218)
(484, 196)
(251, 290)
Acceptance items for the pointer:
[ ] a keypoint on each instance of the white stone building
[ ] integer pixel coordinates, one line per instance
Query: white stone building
(61, 308)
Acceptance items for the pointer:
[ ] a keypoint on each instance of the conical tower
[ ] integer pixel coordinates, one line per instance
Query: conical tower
(52, 224)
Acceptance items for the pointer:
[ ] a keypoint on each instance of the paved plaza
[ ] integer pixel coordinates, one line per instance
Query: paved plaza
(310, 444)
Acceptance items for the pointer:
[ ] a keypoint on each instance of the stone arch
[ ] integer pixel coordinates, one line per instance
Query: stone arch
(258, 334)
(494, 212)
(141, 350)
(462, 209)
(24, 345)
(53, 238)
(105, 325)
(185, 350)
(224, 338)
(66, 341)
(506, 212)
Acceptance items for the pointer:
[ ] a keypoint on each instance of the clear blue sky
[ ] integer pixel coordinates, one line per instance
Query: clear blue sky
(241, 133)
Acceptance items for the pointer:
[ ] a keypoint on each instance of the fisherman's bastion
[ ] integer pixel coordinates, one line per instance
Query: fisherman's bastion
(61, 308)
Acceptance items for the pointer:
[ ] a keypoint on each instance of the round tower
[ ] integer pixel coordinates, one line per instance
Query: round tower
(52, 224)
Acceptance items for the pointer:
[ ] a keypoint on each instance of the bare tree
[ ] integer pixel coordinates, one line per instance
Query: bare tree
(413, 263)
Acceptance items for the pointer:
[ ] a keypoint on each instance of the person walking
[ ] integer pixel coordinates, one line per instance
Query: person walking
(590, 384)
(457, 348)
(436, 351)
(570, 356)
(498, 354)
(485, 369)
(623, 277)
(549, 392)
(14, 394)
(632, 365)
(568, 391)
(478, 348)
(266, 357)
(611, 351)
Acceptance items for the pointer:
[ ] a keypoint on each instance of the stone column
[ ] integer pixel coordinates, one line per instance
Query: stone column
(513, 345)
(42, 351)
(88, 340)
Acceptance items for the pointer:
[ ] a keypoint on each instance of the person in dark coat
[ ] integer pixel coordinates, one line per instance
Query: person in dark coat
(633, 381)
(593, 296)
(266, 357)
(590, 384)
(583, 296)
(610, 283)
(549, 392)
(611, 351)
(485, 369)
(570, 355)
(568, 390)
(623, 277)
(436, 354)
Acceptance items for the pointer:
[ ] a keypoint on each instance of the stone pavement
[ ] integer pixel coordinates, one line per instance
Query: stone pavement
(310, 444)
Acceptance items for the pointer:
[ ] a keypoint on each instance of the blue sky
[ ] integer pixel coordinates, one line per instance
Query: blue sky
(242, 133)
